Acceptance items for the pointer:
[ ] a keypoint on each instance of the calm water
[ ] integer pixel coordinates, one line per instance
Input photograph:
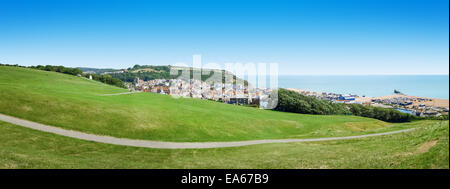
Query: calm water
(420, 85)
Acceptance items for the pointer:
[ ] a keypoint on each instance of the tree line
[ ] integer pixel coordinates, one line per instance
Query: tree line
(60, 69)
(146, 76)
(76, 72)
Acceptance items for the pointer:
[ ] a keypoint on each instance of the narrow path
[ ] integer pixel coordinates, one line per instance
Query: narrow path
(165, 145)
(120, 93)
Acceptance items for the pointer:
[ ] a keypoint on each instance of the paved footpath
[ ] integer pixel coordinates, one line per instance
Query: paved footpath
(166, 145)
(120, 93)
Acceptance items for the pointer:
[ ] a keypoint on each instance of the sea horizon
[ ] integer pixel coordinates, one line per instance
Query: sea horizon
(430, 86)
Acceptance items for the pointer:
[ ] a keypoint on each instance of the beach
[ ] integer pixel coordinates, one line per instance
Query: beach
(433, 102)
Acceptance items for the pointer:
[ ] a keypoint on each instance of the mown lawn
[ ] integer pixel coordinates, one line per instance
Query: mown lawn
(77, 103)
(426, 147)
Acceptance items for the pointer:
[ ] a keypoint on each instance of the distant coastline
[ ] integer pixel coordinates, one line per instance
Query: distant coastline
(418, 106)
(429, 86)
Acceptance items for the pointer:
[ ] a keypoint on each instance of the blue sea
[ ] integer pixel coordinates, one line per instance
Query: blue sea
(433, 86)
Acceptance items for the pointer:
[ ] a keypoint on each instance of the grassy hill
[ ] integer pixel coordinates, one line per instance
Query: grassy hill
(149, 72)
(425, 147)
(78, 104)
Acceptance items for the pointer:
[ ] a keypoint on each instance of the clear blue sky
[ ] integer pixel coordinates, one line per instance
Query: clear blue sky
(304, 37)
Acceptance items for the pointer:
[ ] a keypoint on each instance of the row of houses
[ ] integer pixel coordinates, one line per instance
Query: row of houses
(223, 92)
(410, 105)
(334, 97)
(402, 101)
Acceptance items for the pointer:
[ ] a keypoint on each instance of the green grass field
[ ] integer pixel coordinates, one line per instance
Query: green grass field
(75, 103)
(425, 147)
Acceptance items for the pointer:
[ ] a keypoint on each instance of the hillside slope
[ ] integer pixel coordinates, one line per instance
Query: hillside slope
(424, 148)
(149, 72)
(79, 104)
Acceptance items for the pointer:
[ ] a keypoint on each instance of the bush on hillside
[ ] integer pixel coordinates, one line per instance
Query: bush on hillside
(107, 79)
(441, 117)
(290, 101)
(384, 114)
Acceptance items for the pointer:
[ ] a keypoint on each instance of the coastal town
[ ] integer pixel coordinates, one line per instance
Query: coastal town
(243, 95)
(222, 92)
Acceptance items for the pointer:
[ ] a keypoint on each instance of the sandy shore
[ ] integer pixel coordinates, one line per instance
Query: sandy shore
(435, 102)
